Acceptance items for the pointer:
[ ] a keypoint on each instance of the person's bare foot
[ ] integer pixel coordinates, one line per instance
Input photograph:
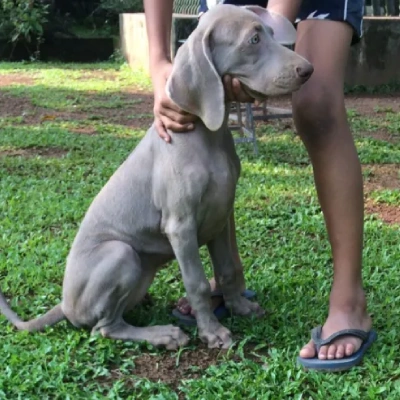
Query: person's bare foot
(184, 307)
(342, 315)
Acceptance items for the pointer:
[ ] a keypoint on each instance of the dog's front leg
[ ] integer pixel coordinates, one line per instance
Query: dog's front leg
(183, 238)
(226, 276)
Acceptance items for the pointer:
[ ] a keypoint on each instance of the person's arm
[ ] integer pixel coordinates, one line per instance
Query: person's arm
(167, 115)
(158, 24)
(287, 8)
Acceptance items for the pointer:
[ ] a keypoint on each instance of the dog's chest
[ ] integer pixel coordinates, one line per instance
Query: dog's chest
(218, 198)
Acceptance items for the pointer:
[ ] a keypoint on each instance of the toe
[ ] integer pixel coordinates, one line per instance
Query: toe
(349, 349)
(176, 332)
(183, 306)
(183, 340)
(308, 351)
(226, 344)
(340, 351)
(226, 338)
(323, 353)
(331, 352)
(171, 345)
(213, 341)
(259, 312)
(255, 308)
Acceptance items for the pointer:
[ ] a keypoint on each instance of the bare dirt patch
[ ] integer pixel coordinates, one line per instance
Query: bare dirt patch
(373, 105)
(381, 176)
(28, 152)
(11, 106)
(87, 130)
(171, 369)
(368, 104)
(136, 114)
(387, 213)
(381, 135)
(29, 114)
(376, 107)
(16, 79)
(103, 75)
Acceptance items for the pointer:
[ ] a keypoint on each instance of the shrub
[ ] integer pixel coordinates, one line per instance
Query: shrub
(22, 20)
(121, 6)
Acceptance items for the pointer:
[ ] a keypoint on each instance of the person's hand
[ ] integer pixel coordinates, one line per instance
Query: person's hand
(234, 91)
(166, 113)
(168, 116)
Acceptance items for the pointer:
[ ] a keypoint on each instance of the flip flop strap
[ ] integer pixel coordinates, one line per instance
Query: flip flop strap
(218, 293)
(316, 336)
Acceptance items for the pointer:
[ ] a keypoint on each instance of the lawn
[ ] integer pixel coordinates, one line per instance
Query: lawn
(64, 129)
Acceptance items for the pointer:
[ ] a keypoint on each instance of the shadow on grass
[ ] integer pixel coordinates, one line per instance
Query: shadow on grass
(30, 105)
(37, 65)
(79, 98)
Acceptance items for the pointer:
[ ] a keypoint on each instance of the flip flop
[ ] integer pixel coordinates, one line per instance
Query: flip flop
(342, 364)
(220, 312)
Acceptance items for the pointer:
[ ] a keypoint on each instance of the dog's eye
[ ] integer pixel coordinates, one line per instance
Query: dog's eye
(255, 39)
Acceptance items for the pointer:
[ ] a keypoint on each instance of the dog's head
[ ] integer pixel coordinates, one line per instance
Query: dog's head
(245, 42)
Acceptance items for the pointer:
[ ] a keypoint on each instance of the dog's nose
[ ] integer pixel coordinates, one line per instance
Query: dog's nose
(305, 71)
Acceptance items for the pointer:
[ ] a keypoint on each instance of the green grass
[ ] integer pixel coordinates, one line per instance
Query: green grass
(387, 196)
(281, 235)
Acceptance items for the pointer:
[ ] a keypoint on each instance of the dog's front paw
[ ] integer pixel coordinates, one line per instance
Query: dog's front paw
(242, 306)
(218, 337)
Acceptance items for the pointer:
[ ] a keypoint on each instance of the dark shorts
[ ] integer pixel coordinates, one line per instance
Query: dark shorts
(350, 11)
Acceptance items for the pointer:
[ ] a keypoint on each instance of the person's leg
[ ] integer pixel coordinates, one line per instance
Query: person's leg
(321, 121)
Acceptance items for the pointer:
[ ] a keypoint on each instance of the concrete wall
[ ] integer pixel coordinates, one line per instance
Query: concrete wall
(133, 40)
(376, 59)
(373, 61)
(133, 37)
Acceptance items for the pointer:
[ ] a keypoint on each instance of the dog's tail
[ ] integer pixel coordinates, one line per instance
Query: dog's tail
(52, 317)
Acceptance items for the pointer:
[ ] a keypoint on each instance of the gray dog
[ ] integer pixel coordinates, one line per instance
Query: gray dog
(167, 200)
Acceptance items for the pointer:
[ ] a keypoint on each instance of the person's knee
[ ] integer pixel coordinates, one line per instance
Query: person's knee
(317, 109)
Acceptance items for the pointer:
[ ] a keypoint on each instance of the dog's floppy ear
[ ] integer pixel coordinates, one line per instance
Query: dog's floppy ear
(194, 84)
(284, 31)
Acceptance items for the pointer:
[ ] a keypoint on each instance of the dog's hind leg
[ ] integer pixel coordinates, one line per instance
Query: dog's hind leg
(117, 281)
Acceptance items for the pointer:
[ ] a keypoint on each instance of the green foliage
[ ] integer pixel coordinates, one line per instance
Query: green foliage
(22, 19)
(121, 6)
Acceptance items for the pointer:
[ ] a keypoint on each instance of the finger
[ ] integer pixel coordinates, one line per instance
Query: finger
(239, 93)
(167, 103)
(181, 119)
(175, 126)
(229, 95)
(162, 132)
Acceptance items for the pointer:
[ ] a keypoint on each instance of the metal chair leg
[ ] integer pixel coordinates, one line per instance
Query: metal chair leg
(250, 126)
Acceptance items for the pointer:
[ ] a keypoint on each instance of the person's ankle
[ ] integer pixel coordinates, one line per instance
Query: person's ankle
(351, 301)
